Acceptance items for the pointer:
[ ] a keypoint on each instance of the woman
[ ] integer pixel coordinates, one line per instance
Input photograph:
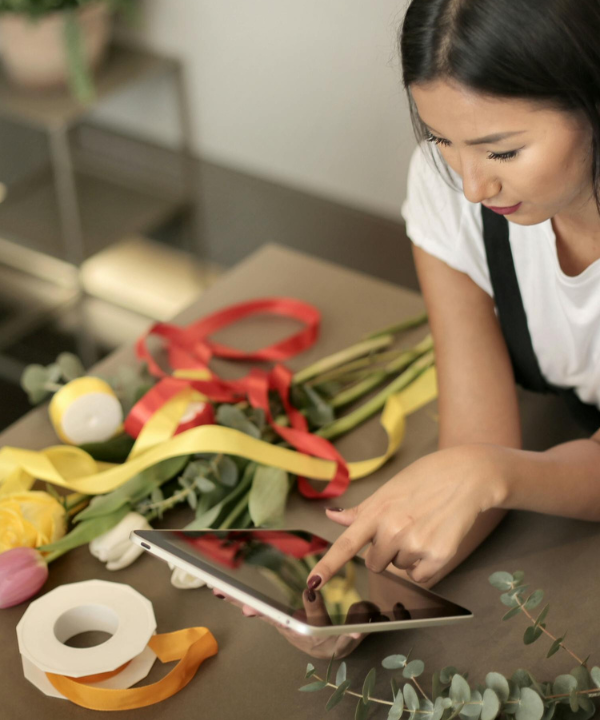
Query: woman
(509, 92)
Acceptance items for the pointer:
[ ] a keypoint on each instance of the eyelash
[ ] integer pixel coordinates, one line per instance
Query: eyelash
(502, 157)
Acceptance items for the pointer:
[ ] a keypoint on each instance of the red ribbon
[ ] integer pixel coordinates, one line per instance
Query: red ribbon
(189, 348)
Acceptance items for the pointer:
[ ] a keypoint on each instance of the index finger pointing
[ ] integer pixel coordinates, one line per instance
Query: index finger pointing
(343, 549)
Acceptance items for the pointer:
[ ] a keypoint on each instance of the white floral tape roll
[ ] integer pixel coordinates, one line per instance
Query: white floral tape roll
(72, 609)
(86, 410)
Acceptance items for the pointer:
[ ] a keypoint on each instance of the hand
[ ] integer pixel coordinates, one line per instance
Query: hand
(314, 613)
(417, 520)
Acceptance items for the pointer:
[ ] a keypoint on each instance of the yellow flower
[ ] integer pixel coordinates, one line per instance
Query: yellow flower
(30, 519)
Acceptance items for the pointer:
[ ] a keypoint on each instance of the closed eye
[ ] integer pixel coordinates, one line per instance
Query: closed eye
(492, 156)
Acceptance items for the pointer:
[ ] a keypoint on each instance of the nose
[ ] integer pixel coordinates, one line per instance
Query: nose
(479, 185)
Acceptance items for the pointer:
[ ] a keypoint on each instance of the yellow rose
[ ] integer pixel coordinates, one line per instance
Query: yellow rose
(30, 519)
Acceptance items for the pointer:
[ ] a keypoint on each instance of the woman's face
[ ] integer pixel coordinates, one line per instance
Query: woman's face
(545, 164)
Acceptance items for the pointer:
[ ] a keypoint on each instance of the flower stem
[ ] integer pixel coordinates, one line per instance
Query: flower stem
(372, 406)
(400, 327)
(237, 510)
(342, 357)
(365, 362)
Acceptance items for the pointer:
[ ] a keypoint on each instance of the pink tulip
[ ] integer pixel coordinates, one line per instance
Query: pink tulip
(23, 571)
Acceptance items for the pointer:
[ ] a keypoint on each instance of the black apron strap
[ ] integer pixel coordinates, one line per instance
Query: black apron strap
(513, 320)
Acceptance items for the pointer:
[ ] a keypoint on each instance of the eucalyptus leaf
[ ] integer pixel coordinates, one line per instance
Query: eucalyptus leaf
(555, 647)
(530, 706)
(33, 381)
(233, 417)
(85, 532)
(411, 698)
(207, 513)
(563, 685)
(115, 450)
(512, 613)
(204, 484)
(394, 662)
(473, 708)
(583, 677)
(228, 471)
(542, 616)
(268, 495)
(534, 599)
(521, 678)
(436, 685)
(329, 668)
(338, 695)
(438, 709)
(426, 709)
(54, 373)
(341, 674)
(501, 580)
(460, 692)
(513, 597)
(362, 710)
(313, 686)
(447, 673)
(368, 685)
(70, 366)
(574, 701)
(491, 704)
(499, 684)
(413, 669)
(398, 706)
(192, 500)
(518, 577)
(310, 670)
(319, 412)
(595, 673)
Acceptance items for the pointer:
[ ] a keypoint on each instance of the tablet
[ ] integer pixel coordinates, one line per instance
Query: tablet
(267, 570)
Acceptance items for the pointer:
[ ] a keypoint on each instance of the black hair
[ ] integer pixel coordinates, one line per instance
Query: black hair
(539, 50)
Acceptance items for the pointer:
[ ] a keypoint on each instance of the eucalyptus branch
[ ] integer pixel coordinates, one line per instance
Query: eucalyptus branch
(423, 693)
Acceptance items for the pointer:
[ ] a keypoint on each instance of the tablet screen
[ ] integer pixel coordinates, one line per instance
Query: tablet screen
(273, 566)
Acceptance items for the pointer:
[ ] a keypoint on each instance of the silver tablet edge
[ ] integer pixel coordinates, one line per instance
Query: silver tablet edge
(282, 618)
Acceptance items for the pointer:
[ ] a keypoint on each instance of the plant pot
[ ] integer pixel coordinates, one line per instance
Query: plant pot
(35, 51)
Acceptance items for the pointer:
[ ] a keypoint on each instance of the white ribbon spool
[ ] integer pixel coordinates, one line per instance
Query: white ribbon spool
(81, 607)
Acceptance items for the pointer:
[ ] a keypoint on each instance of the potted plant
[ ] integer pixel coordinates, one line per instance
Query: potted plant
(48, 44)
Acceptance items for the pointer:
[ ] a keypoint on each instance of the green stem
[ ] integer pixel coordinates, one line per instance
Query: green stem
(243, 503)
(393, 368)
(372, 359)
(400, 327)
(372, 406)
(342, 357)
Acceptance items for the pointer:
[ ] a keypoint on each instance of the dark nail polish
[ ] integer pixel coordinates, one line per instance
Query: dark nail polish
(311, 595)
(335, 509)
(221, 597)
(314, 582)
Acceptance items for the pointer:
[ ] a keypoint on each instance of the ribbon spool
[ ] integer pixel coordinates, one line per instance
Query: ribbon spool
(86, 410)
(81, 607)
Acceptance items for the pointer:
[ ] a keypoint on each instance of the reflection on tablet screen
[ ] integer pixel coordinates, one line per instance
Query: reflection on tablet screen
(274, 565)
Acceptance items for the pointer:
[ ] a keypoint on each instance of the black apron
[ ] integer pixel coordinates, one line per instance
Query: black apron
(513, 320)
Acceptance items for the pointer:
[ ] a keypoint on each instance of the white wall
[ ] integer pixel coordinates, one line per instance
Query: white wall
(304, 92)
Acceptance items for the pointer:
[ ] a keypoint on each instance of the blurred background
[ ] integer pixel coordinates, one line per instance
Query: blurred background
(146, 148)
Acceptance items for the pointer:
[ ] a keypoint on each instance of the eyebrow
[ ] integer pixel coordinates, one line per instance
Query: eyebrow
(483, 140)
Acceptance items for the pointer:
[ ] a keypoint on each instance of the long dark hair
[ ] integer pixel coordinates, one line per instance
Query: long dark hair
(539, 50)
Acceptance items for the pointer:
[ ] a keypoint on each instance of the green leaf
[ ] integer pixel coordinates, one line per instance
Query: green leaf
(436, 685)
(395, 689)
(319, 412)
(426, 709)
(518, 577)
(233, 417)
(411, 699)
(501, 580)
(555, 647)
(337, 695)
(206, 515)
(460, 692)
(510, 708)
(33, 381)
(532, 633)
(595, 673)
(531, 706)
(573, 701)
(313, 686)
(85, 532)
(204, 484)
(512, 613)
(583, 677)
(115, 450)
(341, 674)
(329, 667)
(563, 685)
(362, 710)
(228, 471)
(438, 708)
(394, 662)
(398, 707)
(521, 678)
(534, 599)
(414, 669)
(268, 495)
(447, 673)
(491, 703)
(134, 490)
(310, 670)
(513, 597)
(70, 366)
(499, 684)
(368, 685)
(473, 711)
(542, 616)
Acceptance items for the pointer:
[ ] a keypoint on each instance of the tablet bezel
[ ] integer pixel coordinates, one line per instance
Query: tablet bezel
(150, 540)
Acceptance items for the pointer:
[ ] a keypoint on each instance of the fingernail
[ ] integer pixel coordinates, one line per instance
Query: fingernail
(221, 597)
(311, 595)
(335, 509)
(314, 582)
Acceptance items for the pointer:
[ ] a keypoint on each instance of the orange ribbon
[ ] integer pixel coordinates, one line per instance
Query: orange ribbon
(190, 646)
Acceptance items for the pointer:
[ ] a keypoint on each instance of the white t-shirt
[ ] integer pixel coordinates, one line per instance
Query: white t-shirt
(563, 312)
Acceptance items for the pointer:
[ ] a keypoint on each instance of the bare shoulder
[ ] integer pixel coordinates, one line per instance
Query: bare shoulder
(477, 394)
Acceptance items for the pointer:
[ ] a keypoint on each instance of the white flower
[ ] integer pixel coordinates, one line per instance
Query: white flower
(184, 580)
(114, 547)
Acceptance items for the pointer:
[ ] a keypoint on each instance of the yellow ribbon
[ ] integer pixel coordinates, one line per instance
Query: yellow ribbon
(190, 646)
(72, 468)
